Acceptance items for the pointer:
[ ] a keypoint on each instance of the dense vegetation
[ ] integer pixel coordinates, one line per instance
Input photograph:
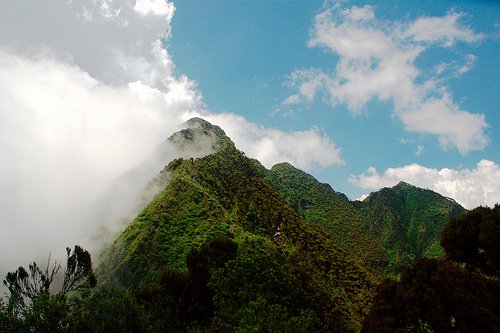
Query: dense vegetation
(446, 296)
(408, 221)
(386, 232)
(231, 246)
(320, 205)
(473, 239)
(223, 194)
(32, 306)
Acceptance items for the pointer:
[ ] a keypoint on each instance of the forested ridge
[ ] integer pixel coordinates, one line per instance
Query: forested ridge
(229, 245)
(387, 231)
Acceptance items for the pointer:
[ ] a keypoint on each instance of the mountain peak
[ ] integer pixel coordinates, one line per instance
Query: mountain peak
(403, 184)
(200, 123)
(284, 166)
(198, 134)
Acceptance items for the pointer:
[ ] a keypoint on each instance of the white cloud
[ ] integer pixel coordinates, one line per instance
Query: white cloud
(110, 40)
(89, 92)
(377, 62)
(304, 149)
(420, 150)
(453, 127)
(455, 69)
(469, 187)
(467, 66)
(291, 100)
(446, 30)
(355, 13)
(65, 139)
(155, 7)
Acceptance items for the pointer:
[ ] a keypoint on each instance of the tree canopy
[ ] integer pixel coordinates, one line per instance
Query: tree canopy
(460, 294)
(473, 239)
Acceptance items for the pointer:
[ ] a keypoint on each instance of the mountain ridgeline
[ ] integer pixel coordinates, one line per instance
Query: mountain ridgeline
(284, 265)
(305, 253)
(387, 231)
(222, 244)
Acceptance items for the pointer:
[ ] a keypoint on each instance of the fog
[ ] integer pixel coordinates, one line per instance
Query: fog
(75, 155)
(88, 97)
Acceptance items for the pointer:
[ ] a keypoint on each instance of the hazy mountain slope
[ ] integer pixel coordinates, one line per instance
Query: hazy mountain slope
(224, 194)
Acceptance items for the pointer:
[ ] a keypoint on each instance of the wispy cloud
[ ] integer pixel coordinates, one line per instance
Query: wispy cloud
(469, 187)
(377, 61)
(420, 150)
(445, 30)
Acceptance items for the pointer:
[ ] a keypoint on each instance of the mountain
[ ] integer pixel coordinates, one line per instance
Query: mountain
(387, 231)
(222, 244)
(223, 194)
(408, 221)
(230, 245)
(320, 205)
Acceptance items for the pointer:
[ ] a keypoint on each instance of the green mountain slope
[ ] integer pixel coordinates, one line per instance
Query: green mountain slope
(386, 232)
(332, 211)
(224, 194)
(408, 221)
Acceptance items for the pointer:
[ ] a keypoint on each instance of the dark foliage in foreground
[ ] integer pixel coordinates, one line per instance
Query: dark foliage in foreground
(434, 295)
(441, 296)
(33, 306)
(252, 287)
(474, 239)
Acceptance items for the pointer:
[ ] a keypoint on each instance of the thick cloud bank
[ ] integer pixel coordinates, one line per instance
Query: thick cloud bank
(469, 187)
(64, 139)
(88, 92)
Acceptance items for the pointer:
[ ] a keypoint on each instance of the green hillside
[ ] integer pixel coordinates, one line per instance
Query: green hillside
(408, 221)
(230, 246)
(223, 194)
(332, 211)
(386, 232)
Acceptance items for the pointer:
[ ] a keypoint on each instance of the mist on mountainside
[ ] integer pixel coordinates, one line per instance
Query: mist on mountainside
(83, 114)
(50, 201)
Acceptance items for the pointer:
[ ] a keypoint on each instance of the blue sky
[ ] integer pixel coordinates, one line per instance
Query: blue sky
(242, 54)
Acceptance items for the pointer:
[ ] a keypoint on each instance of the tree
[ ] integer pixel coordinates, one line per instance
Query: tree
(473, 239)
(440, 296)
(78, 274)
(182, 300)
(32, 306)
(32, 283)
(36, 282)
(435, 295)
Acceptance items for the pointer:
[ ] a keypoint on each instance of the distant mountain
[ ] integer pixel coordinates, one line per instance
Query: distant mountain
(408, 221)
(224, 194)
(386, 232)
(332, 211)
